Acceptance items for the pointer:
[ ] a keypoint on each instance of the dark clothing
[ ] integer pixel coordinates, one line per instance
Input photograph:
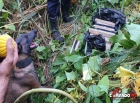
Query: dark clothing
(54, 11)
(54, 7)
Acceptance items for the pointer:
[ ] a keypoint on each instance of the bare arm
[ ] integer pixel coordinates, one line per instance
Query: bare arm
(6, 68)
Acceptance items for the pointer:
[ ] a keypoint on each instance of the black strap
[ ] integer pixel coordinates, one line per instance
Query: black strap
(24, 63)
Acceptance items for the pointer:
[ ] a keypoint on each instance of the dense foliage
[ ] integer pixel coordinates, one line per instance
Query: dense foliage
(87, 78)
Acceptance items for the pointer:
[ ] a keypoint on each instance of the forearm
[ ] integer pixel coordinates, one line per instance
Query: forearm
(4, 81)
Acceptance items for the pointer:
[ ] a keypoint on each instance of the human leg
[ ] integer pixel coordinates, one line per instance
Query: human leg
(53, 11)
(65, 10)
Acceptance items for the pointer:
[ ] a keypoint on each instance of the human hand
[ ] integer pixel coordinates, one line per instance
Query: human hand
(7, 65)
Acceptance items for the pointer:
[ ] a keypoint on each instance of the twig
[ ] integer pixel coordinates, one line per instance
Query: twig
(26, 12)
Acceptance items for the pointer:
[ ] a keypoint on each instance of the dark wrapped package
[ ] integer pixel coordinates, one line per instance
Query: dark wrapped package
(94, 42)
(106, 23)
(112, 15)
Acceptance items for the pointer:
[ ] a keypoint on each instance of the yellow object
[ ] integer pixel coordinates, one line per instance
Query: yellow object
(137, 83)
(125, 81)
(126, 78)
(125, 75)
(3, 41)
(116, 75)
(125, 72)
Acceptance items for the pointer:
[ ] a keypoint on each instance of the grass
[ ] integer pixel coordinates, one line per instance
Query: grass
(30, 14)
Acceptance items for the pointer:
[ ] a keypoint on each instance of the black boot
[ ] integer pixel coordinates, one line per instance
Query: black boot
(55, 32)
(66, 18)
(65, 11)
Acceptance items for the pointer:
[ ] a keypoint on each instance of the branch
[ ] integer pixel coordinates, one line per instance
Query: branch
(19, 99)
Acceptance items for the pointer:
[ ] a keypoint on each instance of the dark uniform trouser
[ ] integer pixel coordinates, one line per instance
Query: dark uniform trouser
(54, 7)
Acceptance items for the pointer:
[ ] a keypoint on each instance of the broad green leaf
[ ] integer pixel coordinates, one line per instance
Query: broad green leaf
(10, 26)
(104, 84)
(117, 48)
(97, 100)
(127, 43)
(70, 89)
(57, 85)
(73, 58)
(50, 98)
(116, 100)
(86, 72)
(78, 65)
(87, 99)
(40, 48)
(117, 38)
(122, 39)
(70, 75)
(1, 4)
(57, 101)
(64, 66)
(94, 63)
(60, 78)
(94, 90)
(82, 86)
(103, 88)
(107, 99)
(58, 62)
(40, 56)
(113, 1)
(134, 30)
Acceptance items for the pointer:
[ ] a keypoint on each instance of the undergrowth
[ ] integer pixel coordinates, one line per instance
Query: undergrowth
(86, 78)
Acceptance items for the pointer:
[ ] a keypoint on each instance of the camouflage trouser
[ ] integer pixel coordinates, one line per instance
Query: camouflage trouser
(54, 7)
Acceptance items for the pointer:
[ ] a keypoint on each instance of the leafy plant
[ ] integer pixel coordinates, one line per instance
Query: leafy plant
(85, 78)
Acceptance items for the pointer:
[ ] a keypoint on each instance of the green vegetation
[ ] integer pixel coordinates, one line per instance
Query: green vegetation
(85, 78)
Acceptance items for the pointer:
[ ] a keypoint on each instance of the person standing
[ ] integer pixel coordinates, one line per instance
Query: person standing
(54, 11)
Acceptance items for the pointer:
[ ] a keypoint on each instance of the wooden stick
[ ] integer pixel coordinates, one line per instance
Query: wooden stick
(77, 45)
(103, 22)
(108, 46)
(72, 46)
(105, 28)
(107, 40)
(97, 32)
(28, 11)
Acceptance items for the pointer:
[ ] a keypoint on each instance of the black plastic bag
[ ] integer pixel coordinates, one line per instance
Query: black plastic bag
(93, 42)
(112, 15)
(98, 41)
